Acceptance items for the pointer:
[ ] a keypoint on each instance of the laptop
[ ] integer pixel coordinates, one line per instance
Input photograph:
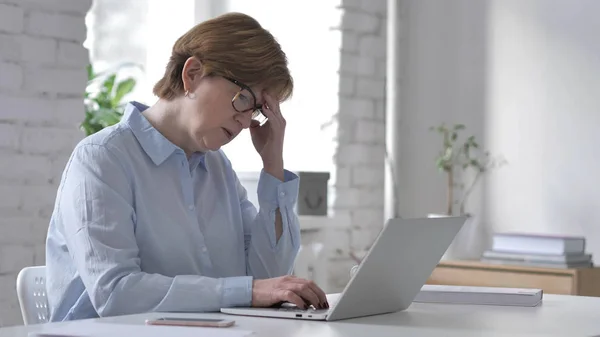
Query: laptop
(388, 279)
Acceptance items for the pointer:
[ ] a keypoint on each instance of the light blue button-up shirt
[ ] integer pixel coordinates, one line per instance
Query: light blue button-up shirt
(137, 227)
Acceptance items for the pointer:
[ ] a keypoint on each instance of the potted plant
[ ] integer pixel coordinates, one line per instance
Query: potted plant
(103, 99)
(461, 158)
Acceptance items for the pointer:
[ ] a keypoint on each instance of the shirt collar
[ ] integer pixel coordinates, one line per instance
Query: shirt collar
(156, 146)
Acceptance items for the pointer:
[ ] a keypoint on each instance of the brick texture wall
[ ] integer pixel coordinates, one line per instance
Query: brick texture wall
(360, 155)
(42, 80)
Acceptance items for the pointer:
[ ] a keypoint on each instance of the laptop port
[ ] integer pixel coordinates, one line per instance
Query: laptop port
(298, 315)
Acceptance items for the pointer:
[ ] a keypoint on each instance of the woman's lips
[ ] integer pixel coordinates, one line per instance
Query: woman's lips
(228, 133)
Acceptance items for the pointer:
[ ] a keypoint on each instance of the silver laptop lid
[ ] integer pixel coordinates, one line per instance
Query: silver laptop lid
(398, 264)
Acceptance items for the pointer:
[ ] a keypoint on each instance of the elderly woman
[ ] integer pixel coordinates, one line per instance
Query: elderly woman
(150, 215)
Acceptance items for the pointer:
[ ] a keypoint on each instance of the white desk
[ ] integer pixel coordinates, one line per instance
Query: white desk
(557, 316)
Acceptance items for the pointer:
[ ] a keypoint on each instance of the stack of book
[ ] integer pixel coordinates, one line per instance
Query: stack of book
(546, 251)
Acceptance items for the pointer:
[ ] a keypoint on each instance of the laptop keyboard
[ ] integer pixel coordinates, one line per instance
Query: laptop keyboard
(296, 309)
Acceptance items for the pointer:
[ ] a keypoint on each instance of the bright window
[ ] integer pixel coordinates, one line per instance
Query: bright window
(306, 31)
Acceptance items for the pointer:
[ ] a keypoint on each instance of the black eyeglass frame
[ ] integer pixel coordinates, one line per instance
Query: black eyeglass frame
(242, 88)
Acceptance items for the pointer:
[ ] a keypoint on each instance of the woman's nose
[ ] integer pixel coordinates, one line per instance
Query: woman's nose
(244, 119)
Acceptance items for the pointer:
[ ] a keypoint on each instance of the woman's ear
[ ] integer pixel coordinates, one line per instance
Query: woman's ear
(191, 74)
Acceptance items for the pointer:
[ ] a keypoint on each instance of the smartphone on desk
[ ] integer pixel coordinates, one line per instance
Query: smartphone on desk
(199, 322)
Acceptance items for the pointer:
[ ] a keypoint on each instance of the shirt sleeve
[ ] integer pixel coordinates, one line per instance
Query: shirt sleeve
(95, 206)
(266, 256)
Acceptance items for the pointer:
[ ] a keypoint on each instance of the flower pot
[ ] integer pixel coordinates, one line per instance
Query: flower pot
(469, 243)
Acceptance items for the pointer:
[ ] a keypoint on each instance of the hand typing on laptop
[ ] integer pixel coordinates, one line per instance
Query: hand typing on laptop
(379, 284)
(303, 293)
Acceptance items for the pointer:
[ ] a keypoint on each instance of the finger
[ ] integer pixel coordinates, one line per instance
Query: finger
(254, 123)
(276, 121)
(271, 115)
(322, 297)
(320, 293)
(268, 112)
(306, 292)
(272, 103)
(260, 128)
(289, 296)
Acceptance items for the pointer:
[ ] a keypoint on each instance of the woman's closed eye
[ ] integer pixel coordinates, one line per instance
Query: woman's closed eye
(244, 98)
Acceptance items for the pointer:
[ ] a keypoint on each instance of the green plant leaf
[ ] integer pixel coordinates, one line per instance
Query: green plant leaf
(107, 117)
(441, 164)
(467, 149)
(109, 84)
(123, 88)
(448, 153)
(103, 99)
(90, 72)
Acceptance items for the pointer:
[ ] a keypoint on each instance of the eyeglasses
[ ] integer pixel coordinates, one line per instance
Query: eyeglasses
(245, 101)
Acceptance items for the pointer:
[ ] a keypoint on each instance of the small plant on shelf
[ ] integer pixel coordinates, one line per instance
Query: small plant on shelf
(457, 156)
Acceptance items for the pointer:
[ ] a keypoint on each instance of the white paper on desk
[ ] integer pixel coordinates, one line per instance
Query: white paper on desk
(479, 295)
(96, 329)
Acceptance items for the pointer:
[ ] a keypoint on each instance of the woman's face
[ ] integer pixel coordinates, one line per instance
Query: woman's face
(211, 117)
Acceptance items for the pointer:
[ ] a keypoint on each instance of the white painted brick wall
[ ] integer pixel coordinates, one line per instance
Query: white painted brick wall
(42, 80)
(73, 7)
(55, 25)
(12, 77)
(360, 155)
(9, 311)
(38, 50)
(9, 47)
(11, 18)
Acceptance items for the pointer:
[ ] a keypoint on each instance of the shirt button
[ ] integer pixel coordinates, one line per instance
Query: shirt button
(282, 194)
(191, 207)
(204, 249)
